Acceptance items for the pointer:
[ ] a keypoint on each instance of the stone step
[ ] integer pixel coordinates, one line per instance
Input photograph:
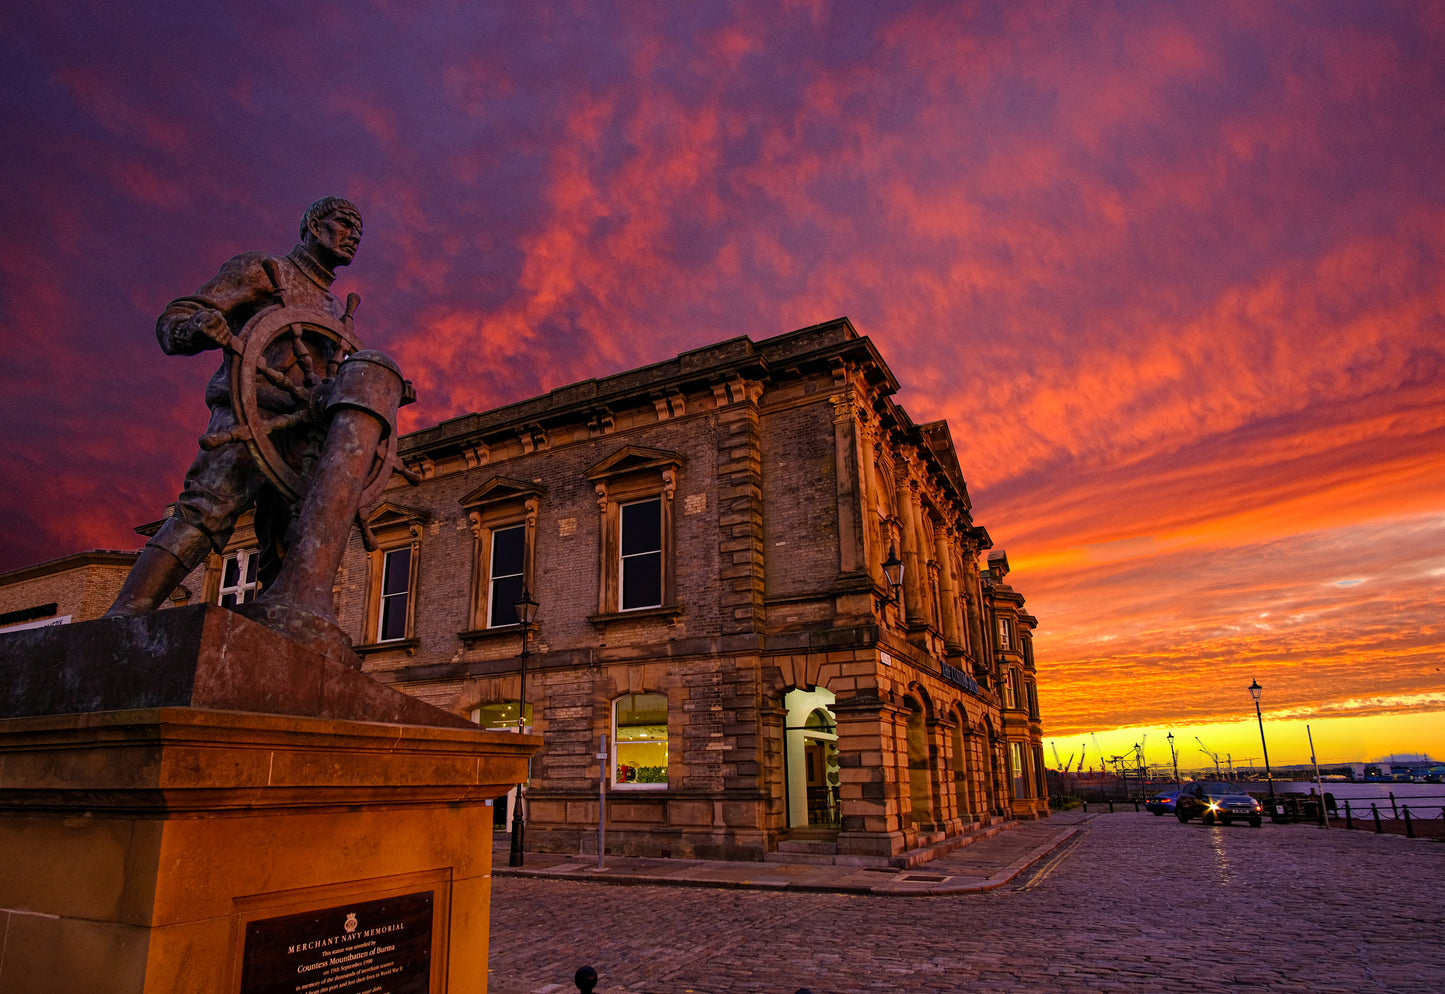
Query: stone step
(813, 846)
(818, 852)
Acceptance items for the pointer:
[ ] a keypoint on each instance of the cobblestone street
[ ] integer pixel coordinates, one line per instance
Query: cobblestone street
(1129, 903)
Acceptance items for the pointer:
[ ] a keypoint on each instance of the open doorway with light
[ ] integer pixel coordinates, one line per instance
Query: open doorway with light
(811, 761)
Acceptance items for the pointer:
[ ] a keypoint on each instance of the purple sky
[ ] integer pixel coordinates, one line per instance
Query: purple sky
(1172, 272)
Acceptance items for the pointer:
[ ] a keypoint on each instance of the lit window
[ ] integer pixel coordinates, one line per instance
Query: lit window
(640, 576)
(395, 595)
(639, 737)
(500, 717)
(238, 578)
(505, 585)
(1016, 759)
(1005, 634)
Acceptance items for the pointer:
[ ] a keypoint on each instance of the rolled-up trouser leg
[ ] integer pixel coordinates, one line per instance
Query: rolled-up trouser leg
(173, 552)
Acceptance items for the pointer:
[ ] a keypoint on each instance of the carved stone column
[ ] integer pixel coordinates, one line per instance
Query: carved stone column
(908, 538)
(952, 640)
(848, 454)
(913, 555)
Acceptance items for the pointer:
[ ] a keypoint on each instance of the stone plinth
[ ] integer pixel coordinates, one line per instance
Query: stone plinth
(191, 801)
(201, 656)
(144, 850)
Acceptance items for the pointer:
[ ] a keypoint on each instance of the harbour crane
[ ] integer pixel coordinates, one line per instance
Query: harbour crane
(1212, 755)
(1081, 756)
(1059, 764)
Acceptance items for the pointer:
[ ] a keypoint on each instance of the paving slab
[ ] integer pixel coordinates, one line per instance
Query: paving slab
(1121, 902)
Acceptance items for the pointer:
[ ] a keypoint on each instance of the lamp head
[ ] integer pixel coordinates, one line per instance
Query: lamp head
(1255, 689)
(526, 610)
(893, 569)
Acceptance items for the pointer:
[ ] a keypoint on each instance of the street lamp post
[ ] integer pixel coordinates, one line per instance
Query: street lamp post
(1139, 765)
(1255, 690)
(526, 615)
(1175, 756)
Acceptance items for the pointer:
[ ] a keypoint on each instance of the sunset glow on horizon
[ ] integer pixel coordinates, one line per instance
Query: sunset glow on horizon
(1173, 273)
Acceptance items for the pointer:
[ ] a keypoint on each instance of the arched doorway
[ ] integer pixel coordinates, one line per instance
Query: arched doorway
(810, 760)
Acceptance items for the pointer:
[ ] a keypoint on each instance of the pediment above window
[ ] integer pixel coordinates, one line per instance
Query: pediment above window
(634, 459)
(387, 514)
(500, 490)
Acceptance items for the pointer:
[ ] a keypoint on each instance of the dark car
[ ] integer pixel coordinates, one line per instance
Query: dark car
(1215, 803)
(1161, 803)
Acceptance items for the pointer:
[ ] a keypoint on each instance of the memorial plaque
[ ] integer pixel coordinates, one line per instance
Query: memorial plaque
(367, 947)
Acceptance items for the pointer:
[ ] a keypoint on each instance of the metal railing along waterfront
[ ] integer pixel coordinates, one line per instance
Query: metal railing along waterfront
(1413, 815)
(1421, 816)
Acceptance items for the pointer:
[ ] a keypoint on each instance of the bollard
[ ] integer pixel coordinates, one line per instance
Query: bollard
(1349, 822)
(1111, 805)
(1409, 828)
(1136, 806)
(585, 978)
(1393, 808)
(1086, 808)
(1374, 810)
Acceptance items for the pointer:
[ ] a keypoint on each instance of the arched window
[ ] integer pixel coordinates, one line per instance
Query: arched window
(639, 742)
(920, 786)
(502, 718)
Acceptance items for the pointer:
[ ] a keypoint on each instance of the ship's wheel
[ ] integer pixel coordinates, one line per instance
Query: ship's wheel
(294, 351)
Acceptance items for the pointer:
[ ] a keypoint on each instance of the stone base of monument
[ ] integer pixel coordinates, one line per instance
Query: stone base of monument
(172, 847)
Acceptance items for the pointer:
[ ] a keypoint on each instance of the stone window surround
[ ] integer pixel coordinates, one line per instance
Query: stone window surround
(498, 504)
(394, 527)
(634, 473)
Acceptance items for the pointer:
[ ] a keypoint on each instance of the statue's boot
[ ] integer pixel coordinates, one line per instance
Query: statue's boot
(164, 562)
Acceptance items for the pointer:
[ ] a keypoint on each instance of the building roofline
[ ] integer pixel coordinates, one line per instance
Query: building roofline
(695, 368)
(76, 560)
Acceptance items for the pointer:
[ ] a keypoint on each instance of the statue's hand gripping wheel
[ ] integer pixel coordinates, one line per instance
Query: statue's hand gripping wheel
(295, 351)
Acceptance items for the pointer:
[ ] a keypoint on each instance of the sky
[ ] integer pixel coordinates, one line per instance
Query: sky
(1172, 272)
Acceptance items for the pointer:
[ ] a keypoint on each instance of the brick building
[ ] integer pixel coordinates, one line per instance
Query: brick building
(705, 539)
(73, 588)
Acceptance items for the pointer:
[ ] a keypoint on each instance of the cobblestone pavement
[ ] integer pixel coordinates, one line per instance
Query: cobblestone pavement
(1129, 902)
